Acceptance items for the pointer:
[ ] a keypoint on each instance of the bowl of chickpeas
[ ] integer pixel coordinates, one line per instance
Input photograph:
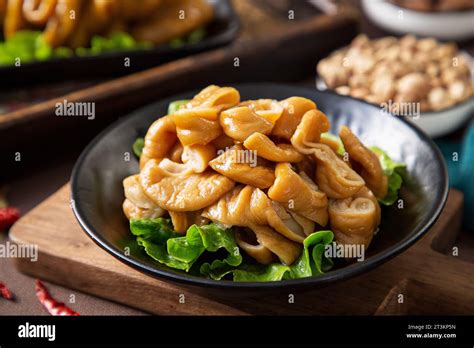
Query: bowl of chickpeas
(428, 82)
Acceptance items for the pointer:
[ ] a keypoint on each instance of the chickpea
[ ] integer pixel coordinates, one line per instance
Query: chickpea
(360, 40)
(450, 75)
(462, 65)
(415, 85)
(408, 41)
(459, 90)
(390, 53)
(358, 81)
(426, 45)
(439, 98)
(382, 68)
(383, 87)
(422, 57)
(407, 56)
(333, 75)
(399, 69)
(436, 82)
(343, 90)
(385, 42)
(444, 51)
(432, 70)
(359, 93)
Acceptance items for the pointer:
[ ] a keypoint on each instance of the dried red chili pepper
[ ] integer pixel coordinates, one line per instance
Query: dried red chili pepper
(54, 307)
(8, 216)
(5, 292)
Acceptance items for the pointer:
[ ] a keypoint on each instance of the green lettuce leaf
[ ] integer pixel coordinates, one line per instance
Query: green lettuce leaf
(180, 252)
(160, 254)
(194, 37)
(214, 238)
(154, 230)
(250, 272)
(395, 171)
(311, 262)
(164, 245)
(152, 235)
(177, 43)
(137, 146)
(174, 106)
(340, 151)
(28, 46)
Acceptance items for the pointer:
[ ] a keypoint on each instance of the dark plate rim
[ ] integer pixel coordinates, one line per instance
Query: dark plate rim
(336, 275)
(210, 42)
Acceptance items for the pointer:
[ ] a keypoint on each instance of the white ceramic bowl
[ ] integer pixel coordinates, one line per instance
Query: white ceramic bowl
(435, 123)
(440, 122)
(442, 25)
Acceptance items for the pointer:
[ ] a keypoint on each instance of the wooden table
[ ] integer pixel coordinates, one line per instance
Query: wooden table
(41, 180)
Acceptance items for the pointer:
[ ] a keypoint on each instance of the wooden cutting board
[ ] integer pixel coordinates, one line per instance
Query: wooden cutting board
(430, 279)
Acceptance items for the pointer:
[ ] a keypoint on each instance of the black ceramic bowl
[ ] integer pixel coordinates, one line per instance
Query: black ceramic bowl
(98, 194)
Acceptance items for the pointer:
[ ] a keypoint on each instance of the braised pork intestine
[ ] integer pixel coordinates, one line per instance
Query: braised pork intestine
(370, 167)
(259, 167)
(355, 219)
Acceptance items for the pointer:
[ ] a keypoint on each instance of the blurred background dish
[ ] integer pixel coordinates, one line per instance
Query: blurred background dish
(442, 24)
(408, 77)
(435, 123)
(104, 34)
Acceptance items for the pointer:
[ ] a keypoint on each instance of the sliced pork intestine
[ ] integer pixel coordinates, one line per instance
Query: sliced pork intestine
(299, 194)
(309, 130)
(132, 211)
(253, 248)
(183, 220)
(250, 207)
(333, 175)
(371, 169)
(229, 164)
(267, 149)
(354, 220)
(182, 193)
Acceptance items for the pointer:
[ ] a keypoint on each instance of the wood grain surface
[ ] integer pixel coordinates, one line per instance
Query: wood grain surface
(68, 257)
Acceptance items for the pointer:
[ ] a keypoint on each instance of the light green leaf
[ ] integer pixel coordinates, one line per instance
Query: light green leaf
(181, 252)
(312, 262)
(174, 106)
(137, 146)
(394, 171)
(340, 151)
